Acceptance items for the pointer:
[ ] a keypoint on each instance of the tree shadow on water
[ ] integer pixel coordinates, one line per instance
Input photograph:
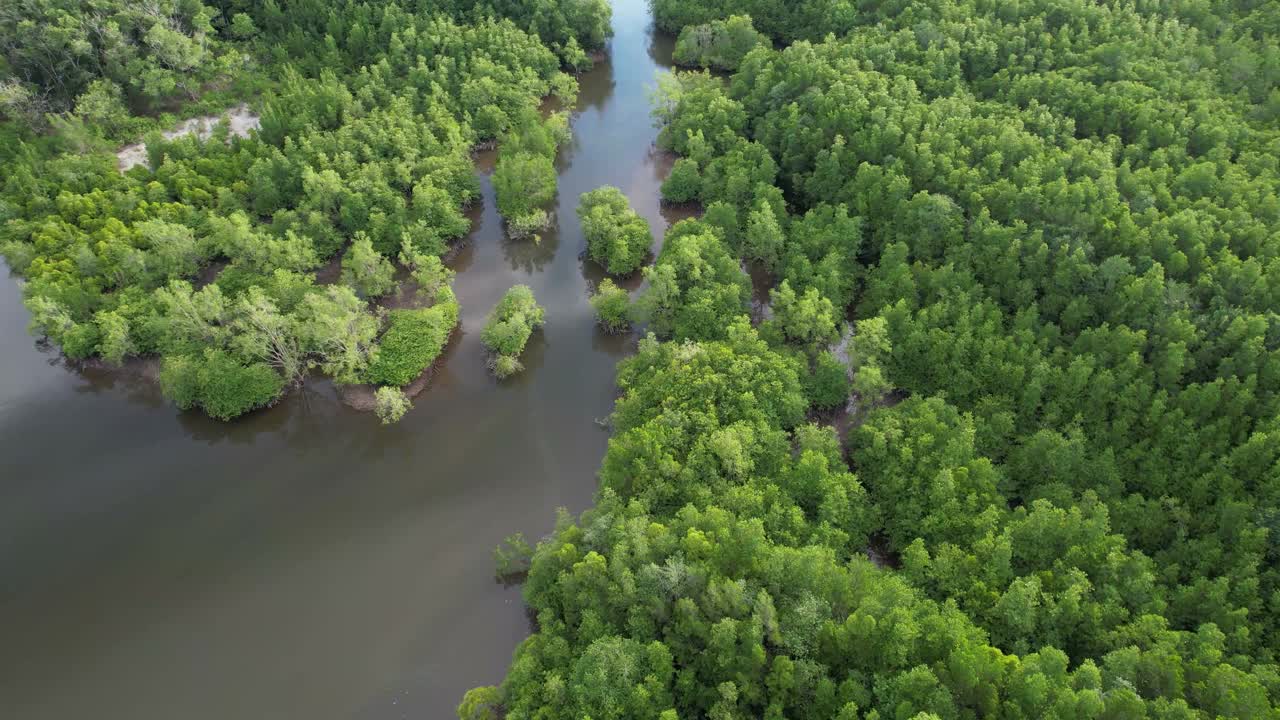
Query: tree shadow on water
(531, 255)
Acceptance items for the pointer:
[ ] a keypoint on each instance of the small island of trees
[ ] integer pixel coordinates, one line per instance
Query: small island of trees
(508, 329)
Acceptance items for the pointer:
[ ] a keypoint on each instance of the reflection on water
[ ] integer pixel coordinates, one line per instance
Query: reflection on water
(306, 562)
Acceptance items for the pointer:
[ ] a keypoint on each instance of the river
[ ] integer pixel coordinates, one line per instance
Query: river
(306, 562)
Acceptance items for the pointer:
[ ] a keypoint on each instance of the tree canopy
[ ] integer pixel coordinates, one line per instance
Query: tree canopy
(210, 254)
(1053, 226)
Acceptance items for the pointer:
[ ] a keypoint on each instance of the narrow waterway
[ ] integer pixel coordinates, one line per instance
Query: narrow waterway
(306, 562)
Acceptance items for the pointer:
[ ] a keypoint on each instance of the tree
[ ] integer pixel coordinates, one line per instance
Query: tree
(523, 182)
(764, 240)
(482, 703)
(694, 287)
(808, 320)
(684, 182)
(720, 44)
(192, 319)
(391, 404)
(115, 339)
(262, 332)
(218, 383)
(509, 327)
(612, 305)
(827, 385)
(365, 270)
(617, 238)
(871, 348)
(102, 106)
(337, 328)
(428, 271)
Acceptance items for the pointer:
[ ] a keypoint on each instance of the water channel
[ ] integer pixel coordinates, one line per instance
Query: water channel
(306, 562)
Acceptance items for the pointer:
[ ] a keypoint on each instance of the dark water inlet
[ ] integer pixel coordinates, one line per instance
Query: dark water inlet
(306, 562)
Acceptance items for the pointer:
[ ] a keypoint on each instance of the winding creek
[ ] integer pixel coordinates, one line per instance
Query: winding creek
(306, 562)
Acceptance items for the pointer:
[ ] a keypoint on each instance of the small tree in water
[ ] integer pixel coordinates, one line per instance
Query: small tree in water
(507, 331)
(617, 238)
(612, 306)
(391, 404)
(512, 559)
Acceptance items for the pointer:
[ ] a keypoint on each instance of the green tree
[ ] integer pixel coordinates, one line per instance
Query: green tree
(524, 182)
(684, 182)
(391, 404)
(365, 270)
(482, 703)
(827, 385)
(509, 327)
(617, 238)
(218, 383)
(720, 44)
(612, 305)
(339, 331)
(808, 320)
(694, 287)
(764, 240)
(412, 342)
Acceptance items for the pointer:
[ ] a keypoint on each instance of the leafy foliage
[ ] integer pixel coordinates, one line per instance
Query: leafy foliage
(617, 238)
(1055, 229)
(509, 327)
(719, 44)
(613, 307)
(391, 404)
(364, 150)
(412, 342)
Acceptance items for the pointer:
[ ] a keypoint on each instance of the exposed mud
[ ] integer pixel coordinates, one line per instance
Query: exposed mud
(240, 120)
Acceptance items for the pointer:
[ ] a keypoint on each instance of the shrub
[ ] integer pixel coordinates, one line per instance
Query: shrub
(528, 224)
(504, 366)
(220, 384)
(413, 340)
(511, 559)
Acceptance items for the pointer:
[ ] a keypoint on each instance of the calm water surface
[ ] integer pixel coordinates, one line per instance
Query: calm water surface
(306, 562)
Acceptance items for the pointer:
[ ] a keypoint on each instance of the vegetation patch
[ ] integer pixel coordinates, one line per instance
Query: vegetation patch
(412, 342)
(617, 238)
(508, 329)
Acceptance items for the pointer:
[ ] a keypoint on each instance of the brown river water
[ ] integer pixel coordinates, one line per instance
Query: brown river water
(305, 561)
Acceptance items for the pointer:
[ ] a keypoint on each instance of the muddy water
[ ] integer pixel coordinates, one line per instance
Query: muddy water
(306, 562)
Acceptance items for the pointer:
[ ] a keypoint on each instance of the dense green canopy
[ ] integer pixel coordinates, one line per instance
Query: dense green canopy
(208, 254)
(1054, 225)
